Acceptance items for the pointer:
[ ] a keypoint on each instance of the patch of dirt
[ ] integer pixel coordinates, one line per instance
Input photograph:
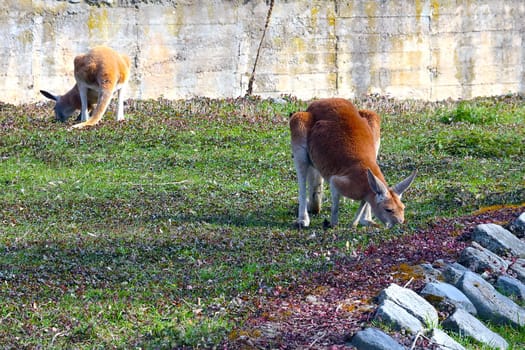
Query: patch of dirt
(326, 309)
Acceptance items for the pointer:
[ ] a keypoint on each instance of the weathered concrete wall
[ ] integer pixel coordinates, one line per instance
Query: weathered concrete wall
(428, 49)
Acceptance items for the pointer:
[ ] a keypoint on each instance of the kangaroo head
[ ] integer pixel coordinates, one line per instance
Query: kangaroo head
(63, 109)
(387, 205)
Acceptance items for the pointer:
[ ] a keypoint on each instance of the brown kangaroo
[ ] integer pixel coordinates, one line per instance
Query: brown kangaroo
(333, 141)
(99, 74)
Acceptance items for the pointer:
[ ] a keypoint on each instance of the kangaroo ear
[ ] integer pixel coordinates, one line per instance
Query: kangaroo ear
(49, 95)
(403, 185)
(376, 185)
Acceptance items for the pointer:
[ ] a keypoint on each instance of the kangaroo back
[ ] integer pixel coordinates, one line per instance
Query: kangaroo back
(374, 122)
(341, 141)
(105, 71)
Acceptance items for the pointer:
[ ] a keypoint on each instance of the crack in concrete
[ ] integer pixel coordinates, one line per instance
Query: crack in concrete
(249, 91)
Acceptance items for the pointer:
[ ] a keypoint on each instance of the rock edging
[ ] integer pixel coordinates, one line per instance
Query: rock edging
(472, 291)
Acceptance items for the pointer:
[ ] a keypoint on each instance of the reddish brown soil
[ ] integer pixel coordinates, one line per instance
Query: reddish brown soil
(328, 308)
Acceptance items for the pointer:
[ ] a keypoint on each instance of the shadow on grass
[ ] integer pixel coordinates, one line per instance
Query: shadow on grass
(181, 255)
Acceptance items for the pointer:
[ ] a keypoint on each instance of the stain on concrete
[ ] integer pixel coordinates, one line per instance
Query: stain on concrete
(98, 23)
(465, 51)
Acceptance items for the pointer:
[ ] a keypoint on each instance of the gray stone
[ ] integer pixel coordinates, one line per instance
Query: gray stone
(431, 274)
(443, 341)
(450, 294)
(453, 272)
(374, 339)
(278, 100)
(511, 286)
(412, 302)
(498, 240)
(518, 267)
(517, 227)
(397, 317)
(491, 304)
(465, 324)
(479, 259)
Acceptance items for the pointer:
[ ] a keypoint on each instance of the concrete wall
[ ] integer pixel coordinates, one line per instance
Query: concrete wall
(425, 49)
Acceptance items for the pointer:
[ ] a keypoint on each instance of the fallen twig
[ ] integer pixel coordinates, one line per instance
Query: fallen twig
(415, 340)
(58, 334)
(316, 340)
(409, 281)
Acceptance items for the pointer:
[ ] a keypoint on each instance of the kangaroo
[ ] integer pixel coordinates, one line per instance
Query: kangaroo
(333, 141)
(99, 74)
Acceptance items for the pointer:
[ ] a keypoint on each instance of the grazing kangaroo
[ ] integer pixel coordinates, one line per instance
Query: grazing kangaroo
(99, 74)
(334, 141)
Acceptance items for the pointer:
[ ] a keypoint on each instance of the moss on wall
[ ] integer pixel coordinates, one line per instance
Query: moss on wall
(97, 21)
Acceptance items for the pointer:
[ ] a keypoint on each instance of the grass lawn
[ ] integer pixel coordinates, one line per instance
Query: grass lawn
(160, 231)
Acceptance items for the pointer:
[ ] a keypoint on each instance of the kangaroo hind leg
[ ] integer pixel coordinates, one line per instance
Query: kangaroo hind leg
(299, 130)
(315, 193)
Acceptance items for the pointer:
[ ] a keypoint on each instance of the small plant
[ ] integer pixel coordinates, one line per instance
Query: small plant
(467, 112)
(478, 143)
(430, 323)
(514, 336)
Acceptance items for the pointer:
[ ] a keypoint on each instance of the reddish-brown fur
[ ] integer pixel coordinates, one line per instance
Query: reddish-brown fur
(104, 70)
(335, 141)
(99, 74)
(103, 67)
(340, 142)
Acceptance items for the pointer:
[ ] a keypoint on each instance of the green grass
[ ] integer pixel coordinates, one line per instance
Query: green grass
(515, 337)
(161, 231)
